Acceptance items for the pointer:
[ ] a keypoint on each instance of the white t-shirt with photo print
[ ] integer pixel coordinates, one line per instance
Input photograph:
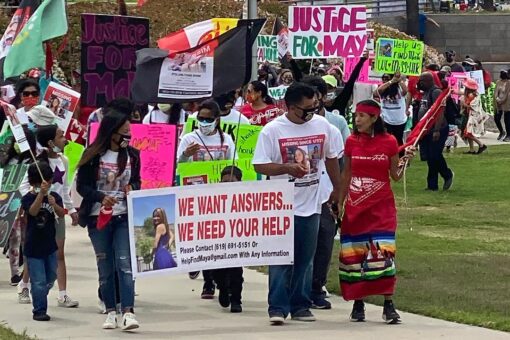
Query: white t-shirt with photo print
(211, 148)
(282, 141)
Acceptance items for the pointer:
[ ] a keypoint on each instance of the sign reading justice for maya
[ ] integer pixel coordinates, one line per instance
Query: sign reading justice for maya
(108, 55)
(327, 31)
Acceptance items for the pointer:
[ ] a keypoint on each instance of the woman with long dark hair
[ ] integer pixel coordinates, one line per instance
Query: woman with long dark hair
(392, 94)
(367, 236)
(172, 114)
(163, 240)
(104, 212)
(260, 108)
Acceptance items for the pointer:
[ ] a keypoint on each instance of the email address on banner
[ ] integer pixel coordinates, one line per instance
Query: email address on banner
(225, 256)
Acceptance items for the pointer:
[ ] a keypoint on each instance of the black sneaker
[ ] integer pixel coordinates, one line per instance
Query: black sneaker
(304, 315)
(319, 302)
(276, 318)
(501, 136)
(449, 182)
(236, 308)
(481, 149)
(15, 280)
(358, 311)
(208, 293)
(390, 315)
(223, 298)
(193, 275)
(41, 317)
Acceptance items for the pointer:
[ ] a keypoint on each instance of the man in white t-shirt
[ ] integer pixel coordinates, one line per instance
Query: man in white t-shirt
(292, 147)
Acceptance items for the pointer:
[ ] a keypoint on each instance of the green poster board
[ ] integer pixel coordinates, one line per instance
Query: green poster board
(394, 55)
(210, 172)
(73, 152)
(248, 135)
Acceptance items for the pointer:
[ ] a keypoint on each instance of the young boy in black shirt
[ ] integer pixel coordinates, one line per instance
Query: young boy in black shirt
(40, 249)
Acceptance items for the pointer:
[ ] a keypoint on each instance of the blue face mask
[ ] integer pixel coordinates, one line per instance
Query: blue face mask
(32, 127)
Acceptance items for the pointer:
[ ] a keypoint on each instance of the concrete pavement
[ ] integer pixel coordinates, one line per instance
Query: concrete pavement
(169, 307)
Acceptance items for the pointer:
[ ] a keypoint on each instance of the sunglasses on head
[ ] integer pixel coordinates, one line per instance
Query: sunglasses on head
(30, 93)
(206, 120)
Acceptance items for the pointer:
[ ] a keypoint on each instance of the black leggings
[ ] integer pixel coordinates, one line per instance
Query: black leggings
(397, 131)
(506, 117)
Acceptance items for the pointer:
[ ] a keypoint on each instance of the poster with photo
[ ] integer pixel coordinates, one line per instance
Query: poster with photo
(306, 151)
(187, 75)
(191, 228)
(62, 101)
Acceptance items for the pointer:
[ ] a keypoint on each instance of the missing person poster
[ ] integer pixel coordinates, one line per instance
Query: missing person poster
(191, 228)
(62, 101)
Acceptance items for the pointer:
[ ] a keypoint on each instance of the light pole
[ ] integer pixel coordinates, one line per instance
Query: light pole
(252, 14)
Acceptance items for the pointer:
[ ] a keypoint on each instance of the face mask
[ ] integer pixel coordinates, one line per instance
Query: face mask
(331, 96)
(124, 140)
(207, 128)
(37, 190)
(56, 149)
(249, 98)
(308, 114)
(165, 107)
(31, 126)
(30, 101)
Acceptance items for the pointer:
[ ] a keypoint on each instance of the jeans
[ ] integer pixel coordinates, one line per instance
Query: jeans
(433, 151)
(111, 246)
(325, 241)
(43, 273)
(290, 285)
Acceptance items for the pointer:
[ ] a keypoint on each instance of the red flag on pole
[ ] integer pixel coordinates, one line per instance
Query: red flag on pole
(427, 121)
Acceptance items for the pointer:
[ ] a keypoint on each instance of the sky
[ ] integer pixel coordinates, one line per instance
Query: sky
(144, 207)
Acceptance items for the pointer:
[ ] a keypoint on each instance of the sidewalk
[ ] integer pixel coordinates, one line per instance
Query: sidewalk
(170, 307)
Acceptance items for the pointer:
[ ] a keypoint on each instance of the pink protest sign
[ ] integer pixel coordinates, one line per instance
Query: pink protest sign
(367, 74)
(456, 82)
(157, 144)
(327, 31)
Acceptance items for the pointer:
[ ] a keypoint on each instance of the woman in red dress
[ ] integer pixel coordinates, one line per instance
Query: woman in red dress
(369, 223)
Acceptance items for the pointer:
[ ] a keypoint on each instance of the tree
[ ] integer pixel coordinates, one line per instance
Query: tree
(148, 227)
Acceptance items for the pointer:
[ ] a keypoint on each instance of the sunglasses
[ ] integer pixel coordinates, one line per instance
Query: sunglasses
(312, 111)
(30, 93)
(206, 120)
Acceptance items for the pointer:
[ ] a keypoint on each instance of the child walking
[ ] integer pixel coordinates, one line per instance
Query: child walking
(40, 245)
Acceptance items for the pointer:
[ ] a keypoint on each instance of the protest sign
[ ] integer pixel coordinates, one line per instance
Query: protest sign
(394, 55)
(157, 145)
(6, 142)
(478, 77)
(267, 48)
(108, 59)
(327, 31)
(456, 82)
(278, 94)
(371, 43)
(213, 226)
(192, 173)
(10, 199)
(488, 99)
(15, 124)
(73, 152)
(62, 101)
(281, 31)
(367, 74)
(247, 135)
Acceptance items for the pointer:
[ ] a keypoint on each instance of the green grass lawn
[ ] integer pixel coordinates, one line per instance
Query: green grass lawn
(7, 334)
(453, 248)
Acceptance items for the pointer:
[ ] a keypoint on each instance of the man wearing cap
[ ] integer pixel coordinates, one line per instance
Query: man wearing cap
(469, 64)
(450, 61)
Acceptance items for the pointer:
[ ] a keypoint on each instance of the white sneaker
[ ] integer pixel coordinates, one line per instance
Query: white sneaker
(129, 322)
(111, 321)
(24, 296)
(67, 302)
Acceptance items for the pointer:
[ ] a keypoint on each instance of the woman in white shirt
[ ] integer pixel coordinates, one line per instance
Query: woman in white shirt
(208, 143)
(172, 114)
(392, 94)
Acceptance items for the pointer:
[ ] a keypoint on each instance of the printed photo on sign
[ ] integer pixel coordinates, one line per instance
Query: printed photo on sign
(154, 233)
(62, 101)
(306, 151)
(386, 48)
(109, 183)
(194, 180)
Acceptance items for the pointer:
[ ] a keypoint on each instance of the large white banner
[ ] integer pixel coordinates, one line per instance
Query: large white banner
(211, 226)
(327, 31)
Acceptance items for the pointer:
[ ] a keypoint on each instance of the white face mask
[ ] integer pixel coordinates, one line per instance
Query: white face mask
(56, 149)
(330, 96)
(207, 128)
(37, 190)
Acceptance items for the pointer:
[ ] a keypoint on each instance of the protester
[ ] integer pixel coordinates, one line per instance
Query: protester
(451, 114)
(469, 64)
(285, 78)
(123, 105)
(228, 112)
(336, 100)
(327, 224)
(27, 94)
(502, 104)
(260, 108)
(450, 61)
(487, 78)
(41, 205)
(110, 153)
(367, 236)
(474, 117)
(40, 115)
(230, 280)
(15, 157)
(290, 285)
(163, 239)
(392, 94)
(53, 141)
(267, 75)
(208, 143)
(432, 145)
